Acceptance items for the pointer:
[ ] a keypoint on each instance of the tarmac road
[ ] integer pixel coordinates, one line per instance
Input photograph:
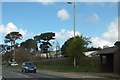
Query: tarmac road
(16, 74)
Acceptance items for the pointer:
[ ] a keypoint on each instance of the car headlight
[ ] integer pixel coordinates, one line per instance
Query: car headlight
(34, 67)
(26, 67)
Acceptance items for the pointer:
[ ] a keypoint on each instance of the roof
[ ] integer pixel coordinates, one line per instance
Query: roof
(90, 53)
(108, 50)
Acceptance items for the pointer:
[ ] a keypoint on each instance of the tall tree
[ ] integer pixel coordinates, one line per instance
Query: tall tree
(117, 43)
(4, 48)
(38, 40)
(44, 39)
(75, 48)
(12, 37)
(29, 44)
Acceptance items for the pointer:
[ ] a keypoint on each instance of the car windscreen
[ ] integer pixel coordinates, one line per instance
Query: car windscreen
(29, 64)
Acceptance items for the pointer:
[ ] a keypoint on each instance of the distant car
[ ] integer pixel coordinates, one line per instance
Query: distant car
(28, 67)
(8, 63)
(13, 64)
(5, 63)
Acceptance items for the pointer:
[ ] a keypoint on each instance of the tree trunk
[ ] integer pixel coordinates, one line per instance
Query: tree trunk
(46, 55)
(14, 50)
(74, 62)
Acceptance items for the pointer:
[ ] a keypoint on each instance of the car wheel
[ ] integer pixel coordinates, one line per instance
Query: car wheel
(34, 71)
(21, 70)
(25, 71)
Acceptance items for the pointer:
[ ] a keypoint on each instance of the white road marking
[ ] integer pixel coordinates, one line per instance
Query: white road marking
(23, 75)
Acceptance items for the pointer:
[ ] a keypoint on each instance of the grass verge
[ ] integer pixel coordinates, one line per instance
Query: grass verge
(63, 68)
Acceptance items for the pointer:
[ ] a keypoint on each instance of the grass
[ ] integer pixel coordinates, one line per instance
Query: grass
(15, 67)
(64, 68)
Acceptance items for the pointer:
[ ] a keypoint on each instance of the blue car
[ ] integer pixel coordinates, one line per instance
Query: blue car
(28, 67)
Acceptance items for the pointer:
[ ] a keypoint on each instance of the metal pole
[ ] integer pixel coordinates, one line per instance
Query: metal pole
(74, 19)
(74, 60)
(74, 28)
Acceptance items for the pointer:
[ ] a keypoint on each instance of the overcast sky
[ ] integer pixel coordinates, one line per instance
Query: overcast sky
(98, 20)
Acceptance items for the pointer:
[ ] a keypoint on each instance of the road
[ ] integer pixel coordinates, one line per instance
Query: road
(16, 74)
(0, 73)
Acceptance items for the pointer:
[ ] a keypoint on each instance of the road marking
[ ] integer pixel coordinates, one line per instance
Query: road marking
(23, 75)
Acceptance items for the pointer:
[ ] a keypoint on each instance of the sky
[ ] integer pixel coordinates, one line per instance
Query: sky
(98, 20)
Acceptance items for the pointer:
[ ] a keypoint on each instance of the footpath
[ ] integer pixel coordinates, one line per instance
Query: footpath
(109, 76)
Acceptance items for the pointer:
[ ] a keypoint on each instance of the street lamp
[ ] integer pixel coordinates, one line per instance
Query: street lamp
(74, 16)
(74, 24)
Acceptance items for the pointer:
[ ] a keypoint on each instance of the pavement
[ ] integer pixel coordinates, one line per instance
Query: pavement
(68, 74)
(82, 74)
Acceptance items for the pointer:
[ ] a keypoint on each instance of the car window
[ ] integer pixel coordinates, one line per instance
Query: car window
(29, 64)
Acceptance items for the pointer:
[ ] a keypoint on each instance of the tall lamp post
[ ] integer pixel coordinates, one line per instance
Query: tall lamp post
(74, 3)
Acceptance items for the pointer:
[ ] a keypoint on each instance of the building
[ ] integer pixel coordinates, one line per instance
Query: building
(90, 53)
(110, 59)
